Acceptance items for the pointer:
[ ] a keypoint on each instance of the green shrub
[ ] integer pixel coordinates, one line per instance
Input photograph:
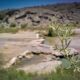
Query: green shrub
(12, 25)
(2, 15)
(64, 35)
(50, 33)
(64, 74)
(57, 29)
(23, 26)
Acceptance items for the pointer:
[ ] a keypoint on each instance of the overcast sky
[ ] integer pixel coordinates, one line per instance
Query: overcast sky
(4, 4)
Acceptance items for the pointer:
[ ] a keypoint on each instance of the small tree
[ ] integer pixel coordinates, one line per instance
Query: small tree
(64, 34)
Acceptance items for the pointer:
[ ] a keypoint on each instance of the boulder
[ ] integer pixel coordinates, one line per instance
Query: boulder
(71, 51)
(42, 68)
(50, 57)
(11, 62)
(40, 48)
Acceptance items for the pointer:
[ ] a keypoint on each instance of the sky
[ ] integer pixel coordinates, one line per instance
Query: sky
(8, 4)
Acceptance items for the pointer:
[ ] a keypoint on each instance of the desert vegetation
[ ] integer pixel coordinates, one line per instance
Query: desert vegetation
(64, 34)
(69, 70)
(61, 74)
(8, 30)
(68, 14)
(57, 29)
(12, 74)
(52, 22)
(24, 26)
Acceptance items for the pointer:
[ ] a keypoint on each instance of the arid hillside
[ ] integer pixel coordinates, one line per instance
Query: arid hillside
(41, 16)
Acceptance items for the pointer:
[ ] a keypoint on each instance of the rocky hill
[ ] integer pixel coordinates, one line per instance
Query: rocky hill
(41, 16)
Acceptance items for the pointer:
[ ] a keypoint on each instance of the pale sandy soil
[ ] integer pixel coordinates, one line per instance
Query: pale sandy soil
(12, 45)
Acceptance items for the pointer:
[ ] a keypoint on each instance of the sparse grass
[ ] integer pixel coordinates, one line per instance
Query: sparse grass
(13, 28)
(12, 74)
(9, 30)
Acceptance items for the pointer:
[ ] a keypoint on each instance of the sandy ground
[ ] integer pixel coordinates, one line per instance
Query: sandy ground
(12, 45)
(75, 40)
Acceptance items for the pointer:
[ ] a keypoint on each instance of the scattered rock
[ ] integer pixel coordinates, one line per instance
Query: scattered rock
(36, 47)
(49, 59)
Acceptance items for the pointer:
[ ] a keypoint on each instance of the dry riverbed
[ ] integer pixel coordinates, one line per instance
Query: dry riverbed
(12, 45)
